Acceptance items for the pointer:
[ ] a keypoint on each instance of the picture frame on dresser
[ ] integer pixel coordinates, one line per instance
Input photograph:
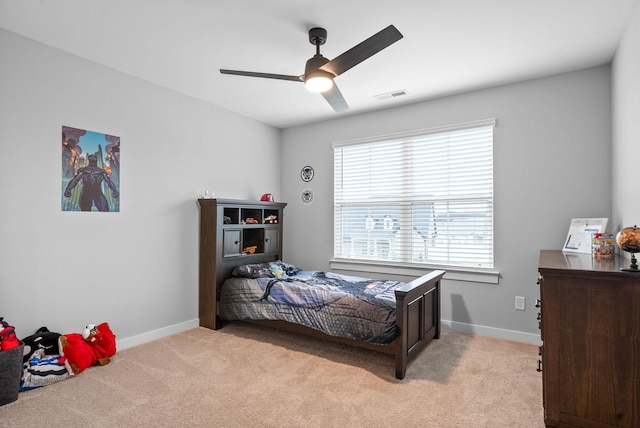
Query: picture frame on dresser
(579, 235)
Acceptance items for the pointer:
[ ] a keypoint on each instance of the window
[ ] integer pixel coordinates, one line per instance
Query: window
(424, 198)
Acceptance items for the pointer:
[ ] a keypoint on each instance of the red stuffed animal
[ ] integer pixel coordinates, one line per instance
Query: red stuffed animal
(93, 347)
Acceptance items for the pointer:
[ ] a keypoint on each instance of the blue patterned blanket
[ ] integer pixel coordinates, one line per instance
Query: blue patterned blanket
(339, 305)
(314, 289)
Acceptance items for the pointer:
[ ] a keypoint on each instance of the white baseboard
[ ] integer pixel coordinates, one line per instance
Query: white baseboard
(130, 342)
(501, 333)
(518, 336)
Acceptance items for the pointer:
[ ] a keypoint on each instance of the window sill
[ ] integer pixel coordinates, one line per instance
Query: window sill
(453, 273)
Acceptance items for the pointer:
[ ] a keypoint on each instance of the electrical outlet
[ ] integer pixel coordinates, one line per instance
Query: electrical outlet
(520, 303)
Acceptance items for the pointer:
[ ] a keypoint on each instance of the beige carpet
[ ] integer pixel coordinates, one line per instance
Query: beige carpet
(247, 376)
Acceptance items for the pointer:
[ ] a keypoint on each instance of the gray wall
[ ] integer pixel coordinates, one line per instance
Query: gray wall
(137, 269)
(626, 126)
(552, 157)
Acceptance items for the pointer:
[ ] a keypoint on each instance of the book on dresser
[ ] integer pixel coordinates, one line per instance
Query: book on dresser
(233, 232)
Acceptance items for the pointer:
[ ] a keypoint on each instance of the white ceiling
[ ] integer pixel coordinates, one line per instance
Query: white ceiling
(449, 46)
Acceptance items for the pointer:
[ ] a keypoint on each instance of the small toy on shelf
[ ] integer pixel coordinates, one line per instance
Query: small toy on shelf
(250, 220)
(250, 250)
(272, 219)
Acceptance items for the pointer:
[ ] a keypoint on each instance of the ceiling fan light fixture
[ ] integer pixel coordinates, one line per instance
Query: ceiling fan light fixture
(319, 72)
(318, 81)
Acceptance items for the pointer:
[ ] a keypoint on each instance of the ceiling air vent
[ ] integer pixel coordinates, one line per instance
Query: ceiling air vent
(390, 95)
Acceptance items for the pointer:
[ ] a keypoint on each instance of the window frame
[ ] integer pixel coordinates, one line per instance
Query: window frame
(455, 272)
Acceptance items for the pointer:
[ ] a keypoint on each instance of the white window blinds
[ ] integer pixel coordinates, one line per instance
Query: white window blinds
(424, 198)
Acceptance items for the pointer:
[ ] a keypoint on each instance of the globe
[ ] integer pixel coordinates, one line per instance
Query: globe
(628, 239)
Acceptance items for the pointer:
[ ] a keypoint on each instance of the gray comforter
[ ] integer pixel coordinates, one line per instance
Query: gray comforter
(338, 305)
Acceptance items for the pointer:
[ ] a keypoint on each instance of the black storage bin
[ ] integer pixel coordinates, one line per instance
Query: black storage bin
(10, 374)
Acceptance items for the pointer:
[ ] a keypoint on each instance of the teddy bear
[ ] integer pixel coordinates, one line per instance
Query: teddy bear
(94, 346)
(43, 339)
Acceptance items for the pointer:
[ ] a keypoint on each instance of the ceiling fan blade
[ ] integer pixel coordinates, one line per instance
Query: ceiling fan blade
(264, 75)
(362, 51)
(335, 99)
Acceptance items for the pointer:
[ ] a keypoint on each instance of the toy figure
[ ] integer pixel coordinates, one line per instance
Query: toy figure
(93, 347)
(44, 340)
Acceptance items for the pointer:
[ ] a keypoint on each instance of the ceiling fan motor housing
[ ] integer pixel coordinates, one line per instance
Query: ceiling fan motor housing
(315, 63)
(317, 36)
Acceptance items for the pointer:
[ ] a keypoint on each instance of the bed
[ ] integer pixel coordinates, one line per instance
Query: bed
(386, 316)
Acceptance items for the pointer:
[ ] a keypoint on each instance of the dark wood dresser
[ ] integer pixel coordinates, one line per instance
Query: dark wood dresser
(590, 329)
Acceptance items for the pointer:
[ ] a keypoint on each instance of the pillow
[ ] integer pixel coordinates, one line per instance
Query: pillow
(263, 270)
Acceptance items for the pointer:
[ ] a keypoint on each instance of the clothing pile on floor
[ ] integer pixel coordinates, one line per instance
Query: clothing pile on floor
(42, 363)
(50, 357)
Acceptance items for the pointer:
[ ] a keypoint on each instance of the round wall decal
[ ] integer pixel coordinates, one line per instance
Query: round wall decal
(307, 173)
(306, 196)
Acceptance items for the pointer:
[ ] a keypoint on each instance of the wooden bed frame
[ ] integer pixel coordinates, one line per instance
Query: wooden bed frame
(417, 321)
(224, 233)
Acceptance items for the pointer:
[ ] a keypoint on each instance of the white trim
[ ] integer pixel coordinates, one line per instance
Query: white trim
(453, 273)
(500, 333)
(434, 130)
(150, 336)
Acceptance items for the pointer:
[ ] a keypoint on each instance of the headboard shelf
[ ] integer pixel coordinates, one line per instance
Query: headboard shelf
(233, 232)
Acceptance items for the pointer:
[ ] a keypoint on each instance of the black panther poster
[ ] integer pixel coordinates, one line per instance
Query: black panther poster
(90, 171)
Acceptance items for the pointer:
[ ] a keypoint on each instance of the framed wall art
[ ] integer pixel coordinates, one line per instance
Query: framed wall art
(90, 171)
(306, 196)
(307, 173)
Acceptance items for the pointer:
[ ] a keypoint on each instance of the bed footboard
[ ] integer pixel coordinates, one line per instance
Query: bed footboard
(417, 317)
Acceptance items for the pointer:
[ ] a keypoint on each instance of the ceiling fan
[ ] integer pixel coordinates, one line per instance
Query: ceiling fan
(319, 72)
